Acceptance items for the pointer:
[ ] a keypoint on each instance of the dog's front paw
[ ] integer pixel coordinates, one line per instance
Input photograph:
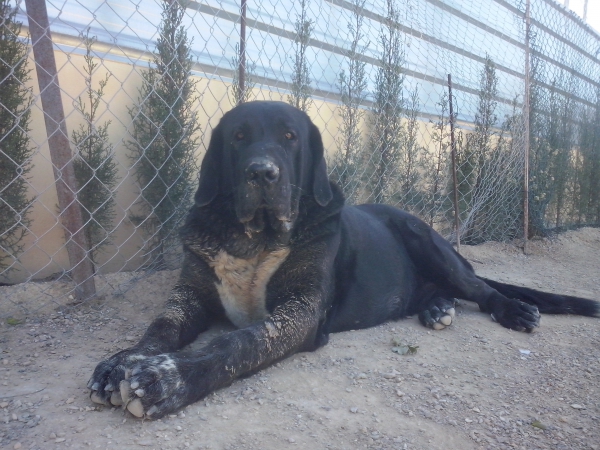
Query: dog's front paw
(517, 315)
(162, 384)
(106, 379)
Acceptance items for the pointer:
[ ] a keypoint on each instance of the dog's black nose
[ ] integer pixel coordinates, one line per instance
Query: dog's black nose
(263, 171)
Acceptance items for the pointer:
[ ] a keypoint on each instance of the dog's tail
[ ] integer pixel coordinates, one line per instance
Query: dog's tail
(547, 302)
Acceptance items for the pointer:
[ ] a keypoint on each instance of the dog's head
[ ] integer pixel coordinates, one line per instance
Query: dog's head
(268, 155)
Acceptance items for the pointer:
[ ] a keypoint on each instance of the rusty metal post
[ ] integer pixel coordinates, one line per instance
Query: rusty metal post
(82, 268)
(526, 142)
(242, 68)
(454, 179)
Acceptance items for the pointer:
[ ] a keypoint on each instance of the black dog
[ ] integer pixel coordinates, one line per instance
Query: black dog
(270, 245)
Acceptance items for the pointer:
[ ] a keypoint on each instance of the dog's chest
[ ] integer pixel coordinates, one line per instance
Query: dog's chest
(242, 284)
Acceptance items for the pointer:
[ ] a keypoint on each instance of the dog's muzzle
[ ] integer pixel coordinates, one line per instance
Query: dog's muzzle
(262, 171)
(264, 196)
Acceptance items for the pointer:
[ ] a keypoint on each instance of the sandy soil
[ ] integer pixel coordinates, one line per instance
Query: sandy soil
(474, 385)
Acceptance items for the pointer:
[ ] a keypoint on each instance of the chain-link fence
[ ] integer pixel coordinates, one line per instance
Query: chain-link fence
(106, 109)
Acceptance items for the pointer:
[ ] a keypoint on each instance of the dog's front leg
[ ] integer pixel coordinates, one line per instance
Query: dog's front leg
(184, 318)
(164, 383)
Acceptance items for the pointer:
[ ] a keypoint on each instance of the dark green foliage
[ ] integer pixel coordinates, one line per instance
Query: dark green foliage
(436, 164)
(540, 120)
(15, 151)
(411, 159)
(488, 170)
(471, 167)
(301, 90)
(349, 161)
(165, 137)
(564, 166)
(473, 152)
(95, 167)
(587, 188)
(237, 93)
(386, 130)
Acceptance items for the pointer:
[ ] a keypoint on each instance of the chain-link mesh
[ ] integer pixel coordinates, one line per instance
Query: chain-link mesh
(140, 86)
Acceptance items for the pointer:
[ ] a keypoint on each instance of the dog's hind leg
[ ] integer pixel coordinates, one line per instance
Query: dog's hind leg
(439, 264)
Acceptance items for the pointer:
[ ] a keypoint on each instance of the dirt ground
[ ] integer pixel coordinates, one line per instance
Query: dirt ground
(474, 385)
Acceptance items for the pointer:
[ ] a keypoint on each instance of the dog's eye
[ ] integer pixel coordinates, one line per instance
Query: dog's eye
(290, 136)
(239, 136)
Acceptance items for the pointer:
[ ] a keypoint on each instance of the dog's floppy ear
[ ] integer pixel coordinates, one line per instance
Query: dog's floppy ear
(210, 171)
(321, 188)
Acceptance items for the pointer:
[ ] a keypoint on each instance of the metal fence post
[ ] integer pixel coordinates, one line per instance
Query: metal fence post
(526, 137)
(454, 179)
(242, 67)
(82, 269)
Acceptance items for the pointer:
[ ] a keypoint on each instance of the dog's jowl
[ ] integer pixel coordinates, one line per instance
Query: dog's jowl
(270, 246)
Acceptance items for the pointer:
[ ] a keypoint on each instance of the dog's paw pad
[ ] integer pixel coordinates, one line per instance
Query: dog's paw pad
(96, 398)
(116, 399)
(136, 408)
(439, 314)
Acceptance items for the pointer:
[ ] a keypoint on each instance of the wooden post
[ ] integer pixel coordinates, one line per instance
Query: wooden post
(526, 142)
(82, 269)
(454, 179)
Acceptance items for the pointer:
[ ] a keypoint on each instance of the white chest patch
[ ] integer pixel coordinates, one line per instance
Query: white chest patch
(242, 284)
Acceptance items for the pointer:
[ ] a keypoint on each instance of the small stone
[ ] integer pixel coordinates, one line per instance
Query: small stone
(576, 406)
(3, 404)
(59, 440)
(468, 420)
(17, 446)
(130, 338)
(354, 410)
(291, 440)
(52, 435)
(400, 393)
(145, 442)
(69, 400)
